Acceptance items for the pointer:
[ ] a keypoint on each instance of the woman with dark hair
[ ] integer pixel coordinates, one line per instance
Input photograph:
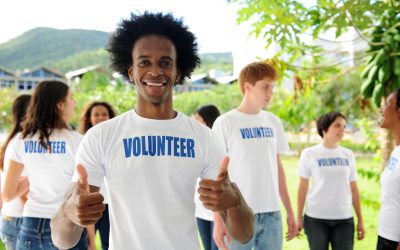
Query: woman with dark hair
(45, 150)
(11, 211)
(328, 217)
(205, 115)
(93, 114)
(389, 215)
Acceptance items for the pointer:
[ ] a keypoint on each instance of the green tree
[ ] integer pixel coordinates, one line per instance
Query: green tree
(7, 97)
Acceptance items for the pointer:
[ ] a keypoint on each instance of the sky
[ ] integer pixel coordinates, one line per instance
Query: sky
(212, 21)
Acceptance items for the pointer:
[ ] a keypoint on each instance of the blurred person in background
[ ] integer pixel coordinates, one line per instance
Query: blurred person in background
(205, 115)
(328, 218)
(11, 211)
(93, 114)
(389, 214)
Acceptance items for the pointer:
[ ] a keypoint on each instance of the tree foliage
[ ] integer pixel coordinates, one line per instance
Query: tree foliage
(382, 74)
(285, 21)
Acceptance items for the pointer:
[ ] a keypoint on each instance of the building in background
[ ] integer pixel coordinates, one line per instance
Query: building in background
(27, 79)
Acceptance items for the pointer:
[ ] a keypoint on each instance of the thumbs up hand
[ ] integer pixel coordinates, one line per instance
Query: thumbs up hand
(83, 185)
(220, 194)
(83, 207)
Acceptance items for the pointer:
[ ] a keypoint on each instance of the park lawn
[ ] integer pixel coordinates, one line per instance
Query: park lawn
(369, 191)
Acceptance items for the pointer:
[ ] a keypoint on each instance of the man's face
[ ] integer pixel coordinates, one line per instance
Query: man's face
(154, 69)
(261, 92)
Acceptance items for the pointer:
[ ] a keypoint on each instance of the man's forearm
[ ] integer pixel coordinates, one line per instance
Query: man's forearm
(239, 220)
(64, 233)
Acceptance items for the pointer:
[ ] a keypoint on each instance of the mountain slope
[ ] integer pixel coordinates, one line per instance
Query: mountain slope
(71, 49)
(44, 46)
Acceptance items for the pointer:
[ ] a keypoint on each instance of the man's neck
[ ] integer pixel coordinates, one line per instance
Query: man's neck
(162, 111)
(248, 108)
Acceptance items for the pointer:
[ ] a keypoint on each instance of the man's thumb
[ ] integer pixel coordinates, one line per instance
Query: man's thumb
(82, 176)
(223, 168)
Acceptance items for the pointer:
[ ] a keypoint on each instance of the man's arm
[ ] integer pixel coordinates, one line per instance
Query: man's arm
(224, 197)
(82, 206)
(292, 228)
(220, 233)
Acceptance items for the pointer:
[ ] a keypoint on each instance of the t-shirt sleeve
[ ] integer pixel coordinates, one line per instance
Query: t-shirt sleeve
(304, 168)
(215, 153)
(353, 170)
(15, 150)
(282, 142)
(90, 155)
(221, 133)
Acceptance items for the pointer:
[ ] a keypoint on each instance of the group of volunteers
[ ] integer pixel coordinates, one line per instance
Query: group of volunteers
(37, 162)
(153, 178)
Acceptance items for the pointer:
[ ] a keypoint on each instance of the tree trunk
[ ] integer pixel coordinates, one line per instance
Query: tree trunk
(387, 145)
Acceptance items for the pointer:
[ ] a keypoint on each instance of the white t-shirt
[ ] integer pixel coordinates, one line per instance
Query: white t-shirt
(253, 143)
(151, 167)
(201, 211)
(331, 170)
(49, 173)
(15, 207)
(389, 215)
(104, 191)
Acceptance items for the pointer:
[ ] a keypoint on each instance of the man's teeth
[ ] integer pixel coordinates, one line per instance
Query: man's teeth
(154, 84)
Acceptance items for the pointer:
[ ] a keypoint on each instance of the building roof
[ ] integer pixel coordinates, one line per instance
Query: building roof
(7, 71)
(30, 71)
(82, 71)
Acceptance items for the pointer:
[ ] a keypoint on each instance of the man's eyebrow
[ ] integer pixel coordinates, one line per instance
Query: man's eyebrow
(163, 57)
(142, 57)
(167, 58)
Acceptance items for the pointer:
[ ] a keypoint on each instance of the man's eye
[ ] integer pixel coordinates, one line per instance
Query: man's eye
(166, 64)
(144, 63)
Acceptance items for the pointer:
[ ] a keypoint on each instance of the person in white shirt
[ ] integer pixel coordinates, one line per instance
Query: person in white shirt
(328, 218)
(11, 211)
(254, 140)
(152, 155)
(45, 150)
(389, 214)
(206, 115)
(95, 113)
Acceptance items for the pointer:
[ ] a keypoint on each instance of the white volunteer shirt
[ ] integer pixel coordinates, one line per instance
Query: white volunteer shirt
(389, 215)
(201, 211)
(15, 207)
(49, 173)
(150, 167)
(253, 143)
(330, 171)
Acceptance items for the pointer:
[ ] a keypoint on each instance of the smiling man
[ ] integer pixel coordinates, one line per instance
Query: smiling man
(152, 155)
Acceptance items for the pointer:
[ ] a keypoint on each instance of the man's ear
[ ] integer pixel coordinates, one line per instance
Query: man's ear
(178, 78)
(130, 74)
(247, 86)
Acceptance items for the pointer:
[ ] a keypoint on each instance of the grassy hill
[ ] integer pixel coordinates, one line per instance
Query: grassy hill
(49, 47)
(71, 49)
